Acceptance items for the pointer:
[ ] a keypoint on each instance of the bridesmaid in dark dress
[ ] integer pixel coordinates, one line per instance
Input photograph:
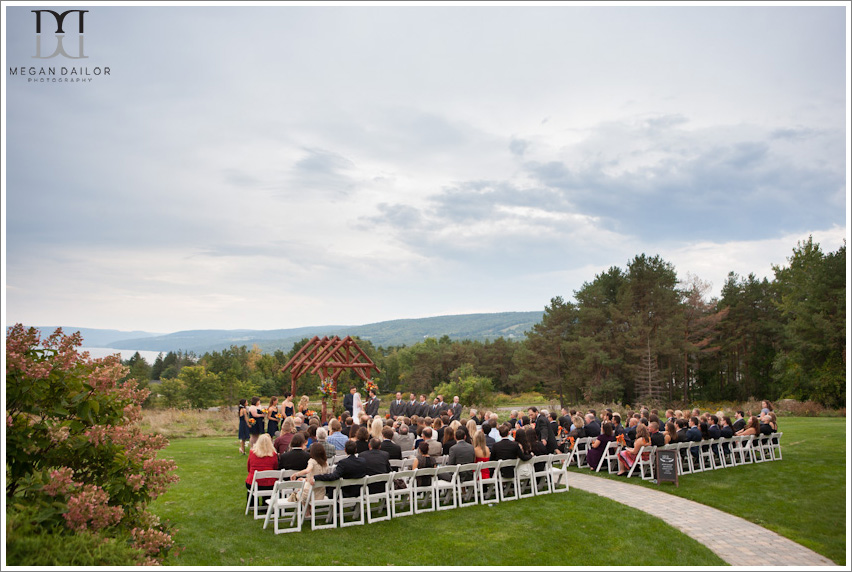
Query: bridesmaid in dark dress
(243, 435)
(272, 416)
(254, 413)
(289, 410)
(303, 405)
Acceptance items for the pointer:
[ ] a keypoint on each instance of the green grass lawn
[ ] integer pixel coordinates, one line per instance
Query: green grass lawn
(574, 528)
(801, 497)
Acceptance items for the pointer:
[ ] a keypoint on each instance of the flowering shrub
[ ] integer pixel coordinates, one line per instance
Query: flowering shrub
(74, 455)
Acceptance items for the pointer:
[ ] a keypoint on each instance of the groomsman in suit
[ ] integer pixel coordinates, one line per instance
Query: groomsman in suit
(388, 446)
(411, 407)
(442, 407)
(371, 408)
(434, 410)
(422, 407)
(397, 406)
(456, 409)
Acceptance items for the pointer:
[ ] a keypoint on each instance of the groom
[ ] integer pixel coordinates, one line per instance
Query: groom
(347, 401)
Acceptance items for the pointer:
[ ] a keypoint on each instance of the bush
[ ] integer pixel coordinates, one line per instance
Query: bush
(76, 461)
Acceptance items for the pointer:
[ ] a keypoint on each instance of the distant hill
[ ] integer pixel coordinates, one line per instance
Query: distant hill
(97, 338)
(481, 327)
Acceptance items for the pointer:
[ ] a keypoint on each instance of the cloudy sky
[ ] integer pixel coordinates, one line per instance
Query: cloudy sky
(283, 166)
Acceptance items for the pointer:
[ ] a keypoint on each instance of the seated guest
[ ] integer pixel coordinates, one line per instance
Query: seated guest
(376, 426)
(627, 456)
(461, 453)
(537, 448)
(377, 463)
(448, 441)
(617, 427)
(592, 426)
(752, 428)
(739, 422)
(713, 429)
(405, 439)
(682, 428)
(507, 449)
(351, 467)
(725, 428)
(349, 427)
(764, 424)
(317, 465)
(282, 442)
(694, 434)
(599, 445)
(261, 457)
(296, 458)
(337, 438)
(579, 430)
(435, 448)
(322, 439)
(671, 433)
(312, 435)
(393, 450)
(657, 438)
(423, 461)
(361, 438)
(766, 407)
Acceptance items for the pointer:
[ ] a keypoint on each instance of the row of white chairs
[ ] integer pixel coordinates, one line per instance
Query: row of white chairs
(711, 454)
(425, 490)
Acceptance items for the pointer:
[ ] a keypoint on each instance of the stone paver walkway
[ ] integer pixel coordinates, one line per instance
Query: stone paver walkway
(735, 540)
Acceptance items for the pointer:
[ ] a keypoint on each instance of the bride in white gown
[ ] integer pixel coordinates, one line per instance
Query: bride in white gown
(357, 408)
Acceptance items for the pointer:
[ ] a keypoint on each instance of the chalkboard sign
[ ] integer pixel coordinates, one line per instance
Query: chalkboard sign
(667, 466)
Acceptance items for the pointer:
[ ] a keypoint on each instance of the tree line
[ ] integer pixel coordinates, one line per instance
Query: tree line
(633, 334)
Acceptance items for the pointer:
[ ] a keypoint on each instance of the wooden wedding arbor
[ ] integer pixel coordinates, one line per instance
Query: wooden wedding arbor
(329, 357)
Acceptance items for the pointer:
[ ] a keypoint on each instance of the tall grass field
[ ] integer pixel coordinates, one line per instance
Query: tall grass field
(802, 497)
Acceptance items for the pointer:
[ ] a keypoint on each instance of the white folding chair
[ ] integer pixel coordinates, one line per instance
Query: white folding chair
(541, 477)
(407, 454)
(353, 506)
(738, 450)
(446, 491)
(402, 499)
(424, 494)
(749, 442)
(578, 453)
(396, 464)
(645, 462)
(684, 458)
(705, 455)
(488, 485)
(467, 489)
(377, 504)
(407, 463)
(609, 458)
(507, 485)
(726, 456)
(279, 508)
(558, 472)
(766, 450)
(525, 478)
(442, 460)
(338, 457)
(324, 508)
(255, 495)
(776, 445)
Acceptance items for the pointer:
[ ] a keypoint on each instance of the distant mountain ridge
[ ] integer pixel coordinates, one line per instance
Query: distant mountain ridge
(481, 327)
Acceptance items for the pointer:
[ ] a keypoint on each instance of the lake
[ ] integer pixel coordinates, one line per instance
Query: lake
(125, 354)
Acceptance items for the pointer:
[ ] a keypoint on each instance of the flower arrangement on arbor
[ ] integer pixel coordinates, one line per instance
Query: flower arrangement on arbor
(371, 385)
(326, 387)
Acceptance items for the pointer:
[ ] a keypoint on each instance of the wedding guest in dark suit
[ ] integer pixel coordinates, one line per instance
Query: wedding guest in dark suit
(393, 450)
(507, 449)
(739, 422)
(362, 438)
(713, 430)
(377, 462)
(296, 458)
(351, 467)
(726, 430)
(461, 453)
(657, 438)
(593, 426)
(682, 428)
